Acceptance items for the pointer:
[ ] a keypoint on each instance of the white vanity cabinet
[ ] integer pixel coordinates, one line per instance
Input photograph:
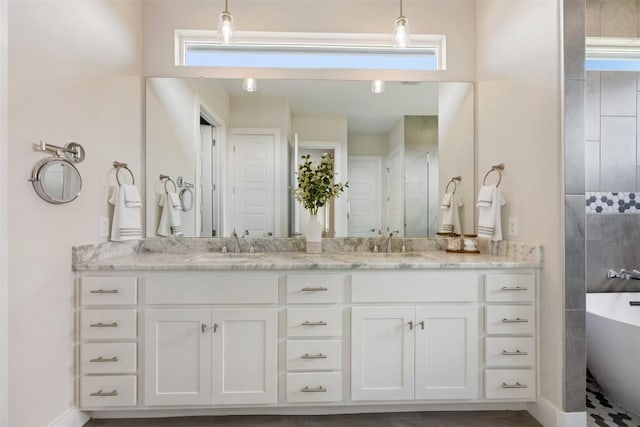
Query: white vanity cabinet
(287, 338)
(213, 355)
(427, 351)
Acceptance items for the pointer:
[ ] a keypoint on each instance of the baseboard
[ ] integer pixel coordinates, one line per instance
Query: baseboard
(549, 415)
(72, 418)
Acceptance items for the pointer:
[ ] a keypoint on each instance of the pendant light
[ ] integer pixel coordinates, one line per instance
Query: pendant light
(226, 28)
(401, 31)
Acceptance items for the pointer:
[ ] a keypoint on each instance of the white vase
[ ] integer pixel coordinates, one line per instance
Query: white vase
(314, 235)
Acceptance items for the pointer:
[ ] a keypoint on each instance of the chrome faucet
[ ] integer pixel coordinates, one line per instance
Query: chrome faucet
(387, 243)
(237, 241)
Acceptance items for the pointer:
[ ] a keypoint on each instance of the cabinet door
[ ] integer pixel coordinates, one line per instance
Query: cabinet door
(245, 363)
(177, 347)
(382, 346)
(446, 352)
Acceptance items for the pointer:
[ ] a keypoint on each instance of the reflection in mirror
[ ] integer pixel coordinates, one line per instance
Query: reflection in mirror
(397, 150)
(56, 180)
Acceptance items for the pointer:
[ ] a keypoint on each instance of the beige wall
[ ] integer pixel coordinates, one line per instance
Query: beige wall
(75, 75)
(4, 243)
(519, 123)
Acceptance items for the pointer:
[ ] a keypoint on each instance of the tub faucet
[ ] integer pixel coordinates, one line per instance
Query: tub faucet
(237, 242)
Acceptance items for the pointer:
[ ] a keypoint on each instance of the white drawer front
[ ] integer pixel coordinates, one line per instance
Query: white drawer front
(510, 287)
(221, 288)
(510, 351)
(314, 322)
(510, 384)
(314, 355)
(108, 358)
(315, 288)
(314, 387)
(410, 286)
(510, 319)
(107, 324)
(107, 391)
(108, 290)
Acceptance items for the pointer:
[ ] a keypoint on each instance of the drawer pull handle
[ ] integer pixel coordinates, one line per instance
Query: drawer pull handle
(411, 325)
(314, 289)
(516, 385)
(104, 325)
(101, 393)
(516, 320)
(320, 323)
(313, 356)
(319, 389)
(634, 303)
(514, 288)
(514, 353)
(102, 359)
(421, 323)
(103, 291)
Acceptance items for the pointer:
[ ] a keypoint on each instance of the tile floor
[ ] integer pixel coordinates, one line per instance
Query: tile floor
(604, 413)
(409, 419)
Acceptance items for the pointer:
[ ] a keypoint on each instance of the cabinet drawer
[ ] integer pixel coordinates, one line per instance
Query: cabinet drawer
(106, 391)
(314, 355)
(413, 287)
(315, 288)
(315, 322)
(510, 287)
(211, 289)
(510, 384)
(108, 290)
(510, 319)
(314, 387)
(108, 358)
(107, 324)
(510, 351)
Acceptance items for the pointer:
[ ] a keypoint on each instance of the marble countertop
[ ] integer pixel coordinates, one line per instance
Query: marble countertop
(165, 261)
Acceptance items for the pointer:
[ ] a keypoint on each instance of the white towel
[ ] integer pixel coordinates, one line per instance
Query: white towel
(131, 196)
(450, 207)
(126, 223)
(170, 221)
(489, 217)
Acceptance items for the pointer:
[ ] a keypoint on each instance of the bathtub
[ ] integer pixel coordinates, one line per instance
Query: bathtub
(613, 346)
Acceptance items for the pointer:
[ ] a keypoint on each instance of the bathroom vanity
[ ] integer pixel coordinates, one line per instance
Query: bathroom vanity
(287, 331)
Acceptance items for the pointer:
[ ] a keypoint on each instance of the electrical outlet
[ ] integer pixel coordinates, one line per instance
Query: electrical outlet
(513, 226)
(104, 226)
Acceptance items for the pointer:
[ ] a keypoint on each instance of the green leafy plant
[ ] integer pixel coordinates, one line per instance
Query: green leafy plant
(315, 183)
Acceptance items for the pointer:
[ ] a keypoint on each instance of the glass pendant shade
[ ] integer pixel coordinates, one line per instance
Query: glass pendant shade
(401, 33)
(226, 28)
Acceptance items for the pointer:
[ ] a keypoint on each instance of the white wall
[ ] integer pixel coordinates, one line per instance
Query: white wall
(519, 123)
(74, 75)
(4, 241)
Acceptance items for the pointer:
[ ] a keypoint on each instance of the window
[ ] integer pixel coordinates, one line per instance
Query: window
(612, 54)
(310, 50)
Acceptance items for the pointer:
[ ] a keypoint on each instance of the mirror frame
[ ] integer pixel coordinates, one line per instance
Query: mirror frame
(38, 178)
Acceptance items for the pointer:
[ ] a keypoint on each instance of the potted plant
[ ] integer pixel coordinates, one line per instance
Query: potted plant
(316, 188)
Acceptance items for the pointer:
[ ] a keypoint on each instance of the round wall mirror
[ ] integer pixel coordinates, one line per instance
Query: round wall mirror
(56, 180)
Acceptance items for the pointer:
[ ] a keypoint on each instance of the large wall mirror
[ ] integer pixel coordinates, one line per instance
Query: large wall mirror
(398, 150)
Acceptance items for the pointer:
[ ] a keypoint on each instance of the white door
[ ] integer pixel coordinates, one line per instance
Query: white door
(254, 182)
(382, 346)
(177, 357)
(245, 362)
(395, 192)
(206, 191)
(365, 211)
(446, 352)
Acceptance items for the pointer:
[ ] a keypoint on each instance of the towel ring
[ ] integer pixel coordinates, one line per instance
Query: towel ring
(455, 185)
(166, 180)
(495, 168)
(118, 169)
